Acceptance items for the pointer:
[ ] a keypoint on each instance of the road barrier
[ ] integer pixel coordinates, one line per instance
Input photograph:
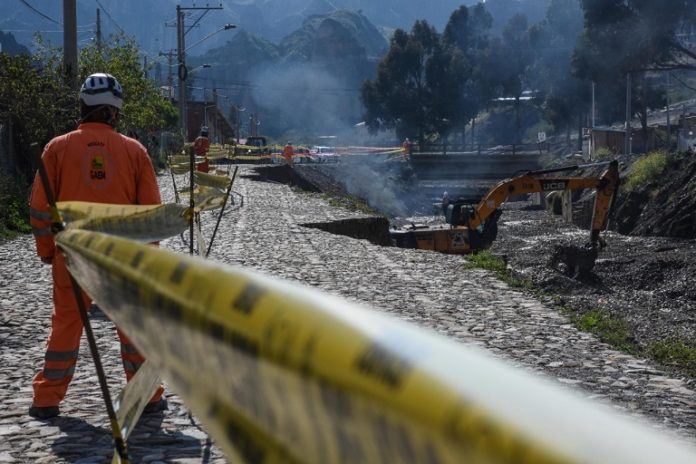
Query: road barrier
(279, 372)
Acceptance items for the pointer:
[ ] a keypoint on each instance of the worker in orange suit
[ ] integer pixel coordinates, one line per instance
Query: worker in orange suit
(288, 153)
(97, 164)
(200, 147)
(406, 153)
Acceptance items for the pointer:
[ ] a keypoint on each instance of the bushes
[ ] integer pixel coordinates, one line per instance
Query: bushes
(603, 153)
(675, 352)
(647, 169)
(14, 209)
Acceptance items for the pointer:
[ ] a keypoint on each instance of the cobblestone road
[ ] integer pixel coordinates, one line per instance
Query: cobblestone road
(431, 290)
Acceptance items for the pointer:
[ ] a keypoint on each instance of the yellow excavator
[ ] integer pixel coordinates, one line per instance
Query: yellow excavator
(472, 228)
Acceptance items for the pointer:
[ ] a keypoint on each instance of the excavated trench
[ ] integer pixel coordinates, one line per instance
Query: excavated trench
(646, 283)
(373, 229)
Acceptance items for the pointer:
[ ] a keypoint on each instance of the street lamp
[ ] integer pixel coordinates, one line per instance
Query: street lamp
(226, 27)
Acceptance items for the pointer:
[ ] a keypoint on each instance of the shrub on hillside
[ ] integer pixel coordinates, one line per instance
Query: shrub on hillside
(647, 169)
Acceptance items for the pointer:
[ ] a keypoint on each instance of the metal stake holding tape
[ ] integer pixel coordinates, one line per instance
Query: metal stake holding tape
(57, 226)
(192, 204)
(222, 210)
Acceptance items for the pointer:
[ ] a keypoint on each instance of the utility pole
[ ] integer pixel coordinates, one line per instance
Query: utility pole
(627, 141)
(170, 67)
(181, 57)
(215, 112)
(669, 123)
(99, 32)
(70, 42)
(181, 32)
(182, 74)
(593, 104)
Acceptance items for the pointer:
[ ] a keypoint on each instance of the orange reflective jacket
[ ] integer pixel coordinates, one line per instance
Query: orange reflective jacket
(93, 163)
(288, 152)
(201, 145)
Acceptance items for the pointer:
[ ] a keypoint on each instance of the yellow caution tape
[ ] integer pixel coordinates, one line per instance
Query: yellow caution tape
(144, 223)
(251, 157)
(134, 397)
(180, 168)
(184, 159)
(214, 155)
(205, 198)
(282, 373)
(212, 180)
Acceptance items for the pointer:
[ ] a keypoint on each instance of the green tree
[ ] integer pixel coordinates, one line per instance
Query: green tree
(622, 37)
(565, 97)
(468, 32)
(413, 91)
(144, 107)
(512, 57)
(37, 105)
(35, 102)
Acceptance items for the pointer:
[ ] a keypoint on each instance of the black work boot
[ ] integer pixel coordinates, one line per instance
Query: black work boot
(157, 406)
(44, 412)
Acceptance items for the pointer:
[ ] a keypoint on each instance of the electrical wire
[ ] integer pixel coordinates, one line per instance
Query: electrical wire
(43, 15)
(683, 83)
(110, 17)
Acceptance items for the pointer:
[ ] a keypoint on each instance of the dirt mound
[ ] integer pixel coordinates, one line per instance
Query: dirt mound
(665, 206)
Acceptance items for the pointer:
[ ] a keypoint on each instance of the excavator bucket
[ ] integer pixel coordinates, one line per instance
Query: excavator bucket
(574, 261)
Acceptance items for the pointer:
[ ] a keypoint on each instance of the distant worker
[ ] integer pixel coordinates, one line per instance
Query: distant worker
(97, 164)
(407, 148)
(288, 153)
(445, 202)
(200, 147)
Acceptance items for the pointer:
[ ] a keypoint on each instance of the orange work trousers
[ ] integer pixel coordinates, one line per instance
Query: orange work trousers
(51, 383)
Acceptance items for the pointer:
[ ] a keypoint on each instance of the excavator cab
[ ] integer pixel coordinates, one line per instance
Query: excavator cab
(458, 213)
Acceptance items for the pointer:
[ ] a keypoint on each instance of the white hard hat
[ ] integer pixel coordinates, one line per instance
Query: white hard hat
(101, 89)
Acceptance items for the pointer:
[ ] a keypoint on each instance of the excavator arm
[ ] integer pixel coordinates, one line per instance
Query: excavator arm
(476, 228)
(531, 182)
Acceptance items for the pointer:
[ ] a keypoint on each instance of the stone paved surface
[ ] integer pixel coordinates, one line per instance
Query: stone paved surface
(428, 289)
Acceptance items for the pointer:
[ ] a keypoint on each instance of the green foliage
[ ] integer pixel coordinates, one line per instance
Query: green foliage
(38, 103)
(676, 353)
(602, 153)
(144, 107)
(35, 102)
(626, 36)
(647, 169)
(413, 91)
(14, 210)
(607, 328)
(487, 260)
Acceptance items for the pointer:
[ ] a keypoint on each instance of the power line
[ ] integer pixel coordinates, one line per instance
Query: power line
(112, 19)
(683, 83)
(38, 30)
(43, 15)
